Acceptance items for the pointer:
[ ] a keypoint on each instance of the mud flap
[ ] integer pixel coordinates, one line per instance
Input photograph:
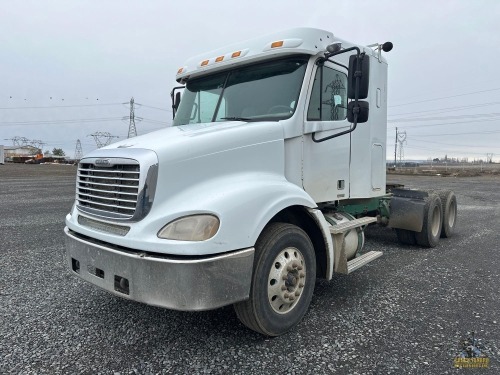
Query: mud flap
(407, 209)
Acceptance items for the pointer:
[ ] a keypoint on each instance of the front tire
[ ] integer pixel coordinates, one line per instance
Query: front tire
(282, 282)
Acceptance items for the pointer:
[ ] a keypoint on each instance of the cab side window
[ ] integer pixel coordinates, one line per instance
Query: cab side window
(329, 96)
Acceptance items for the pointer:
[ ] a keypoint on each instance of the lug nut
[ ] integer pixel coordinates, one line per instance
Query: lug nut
(286, 295)
(297, 293)
(301, 285)
(300, 268)
(284, 277)
(289, 268)
(302, 274)
(292, 298)
(283, 288)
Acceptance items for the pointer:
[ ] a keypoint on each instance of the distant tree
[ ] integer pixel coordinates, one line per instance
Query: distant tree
(58, 152)
(46, 152)
(436, 159)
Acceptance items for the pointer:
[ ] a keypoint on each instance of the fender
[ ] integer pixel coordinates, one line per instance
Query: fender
(244, 204)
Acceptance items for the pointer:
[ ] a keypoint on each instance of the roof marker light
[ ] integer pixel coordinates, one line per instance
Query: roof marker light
(219, 59)
(277, 44)
(236, 54)
(204, 63)
(180, 70)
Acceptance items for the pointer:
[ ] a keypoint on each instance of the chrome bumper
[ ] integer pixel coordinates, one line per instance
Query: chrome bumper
(193, 284)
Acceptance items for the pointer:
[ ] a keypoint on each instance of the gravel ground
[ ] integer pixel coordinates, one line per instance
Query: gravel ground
(405, 313)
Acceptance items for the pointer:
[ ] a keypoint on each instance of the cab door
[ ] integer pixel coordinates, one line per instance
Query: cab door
(325, 169)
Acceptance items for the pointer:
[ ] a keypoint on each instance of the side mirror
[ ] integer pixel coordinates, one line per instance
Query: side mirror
(364, 76)
(362, 110)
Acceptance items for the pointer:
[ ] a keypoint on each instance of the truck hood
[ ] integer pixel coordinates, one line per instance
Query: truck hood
(181, 143)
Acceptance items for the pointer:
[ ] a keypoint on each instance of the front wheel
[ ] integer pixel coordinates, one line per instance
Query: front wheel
(282, 282)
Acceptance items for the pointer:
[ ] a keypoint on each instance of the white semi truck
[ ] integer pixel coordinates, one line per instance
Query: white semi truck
(273, 167)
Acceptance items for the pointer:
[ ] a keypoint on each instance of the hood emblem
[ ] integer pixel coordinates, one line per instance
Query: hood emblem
(102, 163)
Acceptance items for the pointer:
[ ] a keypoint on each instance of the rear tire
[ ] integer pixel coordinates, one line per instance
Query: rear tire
(406, 237)
(433, 218)
(449, 209)
(283, 280)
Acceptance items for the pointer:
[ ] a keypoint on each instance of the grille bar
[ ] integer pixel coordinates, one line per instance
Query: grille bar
(108, 178)
(105, 171)
(107, 205)
(110, 185)
(114, 192)
(108, 198)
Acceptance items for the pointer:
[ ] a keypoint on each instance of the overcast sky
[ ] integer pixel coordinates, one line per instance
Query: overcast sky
(78, 61)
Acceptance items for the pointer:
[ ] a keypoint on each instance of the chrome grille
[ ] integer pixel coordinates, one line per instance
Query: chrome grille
(110, 191)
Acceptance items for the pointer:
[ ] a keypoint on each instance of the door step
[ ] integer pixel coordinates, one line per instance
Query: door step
(338, 233)
(347, 226)
(362, 260)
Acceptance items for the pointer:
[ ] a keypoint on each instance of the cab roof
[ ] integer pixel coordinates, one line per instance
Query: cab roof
(303, 40)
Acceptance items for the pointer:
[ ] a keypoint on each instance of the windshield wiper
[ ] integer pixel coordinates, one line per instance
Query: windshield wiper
(247, 119)
(250, 119)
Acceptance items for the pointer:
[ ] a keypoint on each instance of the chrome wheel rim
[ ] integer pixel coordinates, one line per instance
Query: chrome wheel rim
(286, 280)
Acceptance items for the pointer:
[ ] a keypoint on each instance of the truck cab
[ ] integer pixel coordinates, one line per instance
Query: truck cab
(238, 201)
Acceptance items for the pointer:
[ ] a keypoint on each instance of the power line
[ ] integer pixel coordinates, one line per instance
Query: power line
(50, 122)
(444, 110)
(444, 97)
(149, 106)
(453, 123)
(63, 106)
(467, 133)
(471, 116)
(451, 144)
(449, 151)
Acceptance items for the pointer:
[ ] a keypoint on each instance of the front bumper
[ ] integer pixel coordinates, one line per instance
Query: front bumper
(154, 279)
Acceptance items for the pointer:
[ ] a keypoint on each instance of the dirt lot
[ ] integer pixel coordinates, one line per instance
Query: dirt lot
(405, 313)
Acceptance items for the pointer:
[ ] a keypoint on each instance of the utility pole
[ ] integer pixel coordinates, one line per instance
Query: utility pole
(395, 147)
(132, 131)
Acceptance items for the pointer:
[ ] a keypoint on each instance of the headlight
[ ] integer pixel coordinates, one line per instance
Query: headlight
(191, 228)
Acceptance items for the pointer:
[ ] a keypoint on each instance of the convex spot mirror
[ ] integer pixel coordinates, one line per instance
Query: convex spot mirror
(363, 79)
(362, 113)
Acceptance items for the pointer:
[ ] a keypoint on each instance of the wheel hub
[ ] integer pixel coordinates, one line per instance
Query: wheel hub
(286, 280)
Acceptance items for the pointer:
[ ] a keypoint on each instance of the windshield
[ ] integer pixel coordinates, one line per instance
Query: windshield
(266, 91)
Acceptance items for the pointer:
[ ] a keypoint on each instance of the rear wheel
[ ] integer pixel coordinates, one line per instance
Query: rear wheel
(431, 227)
(283, 280)
(449, 208)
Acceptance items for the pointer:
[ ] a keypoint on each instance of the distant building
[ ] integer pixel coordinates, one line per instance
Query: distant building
(12, 151)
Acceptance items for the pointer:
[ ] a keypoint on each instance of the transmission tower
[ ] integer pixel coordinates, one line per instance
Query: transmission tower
(489, 158)
(132, 131)
(78, 151)
(18, 141)
(102, 138)
(401, 140)
(37, 143)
